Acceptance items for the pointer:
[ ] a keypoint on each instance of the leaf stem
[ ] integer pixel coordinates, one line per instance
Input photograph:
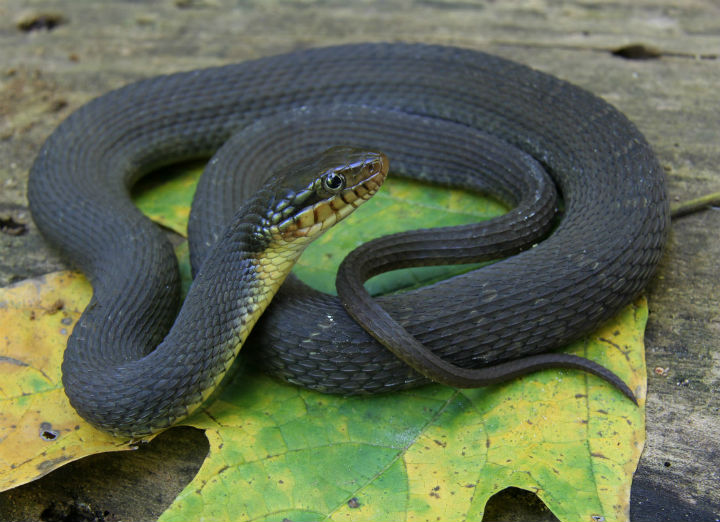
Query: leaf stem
(695, 205)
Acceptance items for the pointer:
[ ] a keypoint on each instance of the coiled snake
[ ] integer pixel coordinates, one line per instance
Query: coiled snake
(429, 109)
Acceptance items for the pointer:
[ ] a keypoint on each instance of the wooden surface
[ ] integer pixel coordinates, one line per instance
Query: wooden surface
(673, 97)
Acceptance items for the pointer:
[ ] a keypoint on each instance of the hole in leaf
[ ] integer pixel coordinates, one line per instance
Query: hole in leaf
(47, 433)
(517, 504)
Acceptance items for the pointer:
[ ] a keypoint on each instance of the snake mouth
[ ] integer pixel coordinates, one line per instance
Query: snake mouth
(362, 185)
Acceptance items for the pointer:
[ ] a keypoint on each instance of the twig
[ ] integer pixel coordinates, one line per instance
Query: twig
(695, 205)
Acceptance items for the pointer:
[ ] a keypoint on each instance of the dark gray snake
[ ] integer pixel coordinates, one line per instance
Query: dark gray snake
(428, 108)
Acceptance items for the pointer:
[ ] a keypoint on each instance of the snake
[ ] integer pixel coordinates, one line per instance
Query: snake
(438, 113)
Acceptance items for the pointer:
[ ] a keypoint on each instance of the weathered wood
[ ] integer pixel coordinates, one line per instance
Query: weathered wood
(673, 98)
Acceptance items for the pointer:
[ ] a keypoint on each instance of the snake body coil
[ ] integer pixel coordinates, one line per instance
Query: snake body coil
(598, 259)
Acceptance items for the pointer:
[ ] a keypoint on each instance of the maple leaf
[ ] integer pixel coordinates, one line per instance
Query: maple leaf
(277, 451)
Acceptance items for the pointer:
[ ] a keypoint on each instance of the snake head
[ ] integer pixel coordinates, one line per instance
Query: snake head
(318, 192)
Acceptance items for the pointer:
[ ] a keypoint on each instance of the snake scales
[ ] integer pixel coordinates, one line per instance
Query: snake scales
(410, 100)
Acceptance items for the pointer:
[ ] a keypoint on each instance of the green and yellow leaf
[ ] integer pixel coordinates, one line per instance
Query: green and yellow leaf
(277, 451)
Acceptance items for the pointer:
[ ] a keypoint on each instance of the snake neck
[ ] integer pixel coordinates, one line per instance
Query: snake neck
(237, 281)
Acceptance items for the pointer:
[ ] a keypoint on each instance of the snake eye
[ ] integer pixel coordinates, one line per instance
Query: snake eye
(333, 182)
